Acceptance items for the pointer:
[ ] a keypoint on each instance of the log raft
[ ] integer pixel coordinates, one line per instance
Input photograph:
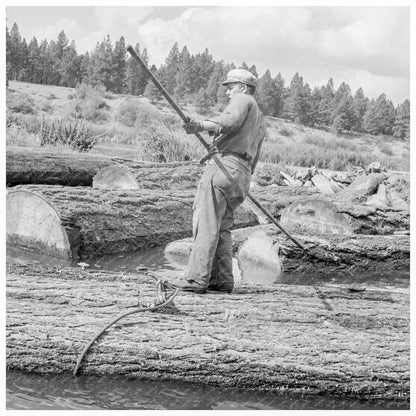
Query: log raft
(324, 340)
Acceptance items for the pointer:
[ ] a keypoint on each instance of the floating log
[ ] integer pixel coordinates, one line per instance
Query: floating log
(44, 166)
(98, 221)
(94, 222)
(325, 254)
(312, 340)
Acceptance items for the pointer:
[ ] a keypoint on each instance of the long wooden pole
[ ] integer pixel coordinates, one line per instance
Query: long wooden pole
(181, 114)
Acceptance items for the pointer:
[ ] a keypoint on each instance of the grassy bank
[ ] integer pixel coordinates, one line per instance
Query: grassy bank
(87, 119)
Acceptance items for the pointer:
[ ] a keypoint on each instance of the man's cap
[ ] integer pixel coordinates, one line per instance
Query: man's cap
(240, 75)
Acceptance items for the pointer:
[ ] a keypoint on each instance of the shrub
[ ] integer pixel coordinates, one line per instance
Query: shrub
(20, 103)
(308, 155)
(29, 122)
(159, 142)
(75, 135)
(139, 113)
(285, 132)
(386, 149)
(46, 107)
(17, 135)
(90, 104)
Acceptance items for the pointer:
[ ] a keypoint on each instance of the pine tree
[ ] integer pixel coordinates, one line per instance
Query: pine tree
(168, 72)
(46, 63)
(203, 67)
(70, 69)
(119, 67)
(201, 101)
(137, 78)
(15, 52)
(101, 64)
(401, 128)
(280, 95)
(8, 56)
(85, 68)
(57, 52)
(343, 114)
(297, 103)
(315, 101)
(214, 82)
(266, 94)
(183, 87)
(326, 105)
(379, 119)
(360, 104)
(34, 67)
(24, 61)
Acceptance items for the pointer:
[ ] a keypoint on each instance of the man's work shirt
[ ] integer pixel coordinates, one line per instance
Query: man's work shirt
(244, 127)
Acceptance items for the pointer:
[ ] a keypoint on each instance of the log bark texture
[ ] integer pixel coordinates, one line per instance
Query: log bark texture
(323, 340)
(101, 221)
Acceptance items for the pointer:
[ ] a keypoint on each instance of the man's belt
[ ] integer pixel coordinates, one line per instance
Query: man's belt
(214, 151)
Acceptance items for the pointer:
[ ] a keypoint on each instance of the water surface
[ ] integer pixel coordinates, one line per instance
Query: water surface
(52, 392)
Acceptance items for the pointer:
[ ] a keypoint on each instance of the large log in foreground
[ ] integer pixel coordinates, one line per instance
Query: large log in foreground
(91, 222)
(324, 340)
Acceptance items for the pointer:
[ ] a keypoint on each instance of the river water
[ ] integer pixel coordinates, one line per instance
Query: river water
(46, 392)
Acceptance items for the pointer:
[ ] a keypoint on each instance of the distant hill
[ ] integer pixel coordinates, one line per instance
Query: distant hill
(123, 122)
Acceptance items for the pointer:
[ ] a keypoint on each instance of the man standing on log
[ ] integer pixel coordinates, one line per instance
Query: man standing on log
(238, 135)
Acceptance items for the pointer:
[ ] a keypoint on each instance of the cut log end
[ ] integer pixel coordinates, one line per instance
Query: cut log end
(115, 177)
(33, 223)
(316, 216)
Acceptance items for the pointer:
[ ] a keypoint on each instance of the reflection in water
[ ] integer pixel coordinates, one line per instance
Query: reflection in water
(37, 392)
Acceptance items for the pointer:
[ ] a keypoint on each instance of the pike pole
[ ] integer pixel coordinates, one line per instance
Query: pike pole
(205, 144)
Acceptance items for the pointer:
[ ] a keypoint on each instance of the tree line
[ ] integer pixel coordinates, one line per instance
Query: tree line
(197, 79)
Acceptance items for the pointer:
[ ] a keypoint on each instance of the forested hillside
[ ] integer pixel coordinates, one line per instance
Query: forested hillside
(196, 79)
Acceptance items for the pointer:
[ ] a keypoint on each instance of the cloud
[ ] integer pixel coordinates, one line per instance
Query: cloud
(320, 42)
(108, 17)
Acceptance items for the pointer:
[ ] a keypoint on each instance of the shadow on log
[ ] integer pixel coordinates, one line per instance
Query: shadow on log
(283, 338)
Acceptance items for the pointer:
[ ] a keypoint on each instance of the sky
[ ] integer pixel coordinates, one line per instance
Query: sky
(366, 47)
